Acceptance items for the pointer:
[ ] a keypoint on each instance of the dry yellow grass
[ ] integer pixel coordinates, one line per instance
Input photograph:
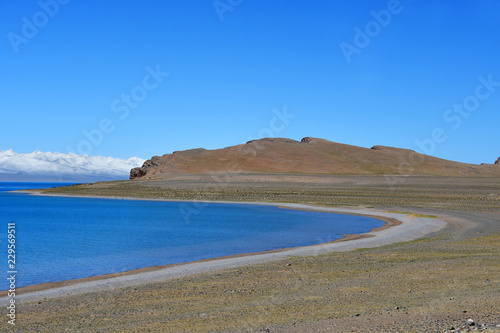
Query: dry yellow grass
(404, 287)
(427, 285)
(425, 192)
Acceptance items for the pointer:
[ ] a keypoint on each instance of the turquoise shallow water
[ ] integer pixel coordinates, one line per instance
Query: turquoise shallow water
(68, 238)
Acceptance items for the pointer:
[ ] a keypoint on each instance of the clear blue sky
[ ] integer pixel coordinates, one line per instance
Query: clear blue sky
(85, 66)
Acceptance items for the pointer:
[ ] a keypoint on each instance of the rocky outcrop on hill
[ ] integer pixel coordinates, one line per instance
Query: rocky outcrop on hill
(140, 172)
(497, 161)
(308, 140)
(308, 156)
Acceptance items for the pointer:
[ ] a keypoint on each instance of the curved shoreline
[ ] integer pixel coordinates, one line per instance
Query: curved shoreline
(397, 228)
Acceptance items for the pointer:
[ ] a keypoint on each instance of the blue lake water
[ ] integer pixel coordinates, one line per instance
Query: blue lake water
(68, 238)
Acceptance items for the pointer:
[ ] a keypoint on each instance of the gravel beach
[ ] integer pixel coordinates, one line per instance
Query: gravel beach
(425, 275)
(410, 228)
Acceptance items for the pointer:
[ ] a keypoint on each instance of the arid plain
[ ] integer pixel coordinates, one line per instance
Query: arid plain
(427, 285)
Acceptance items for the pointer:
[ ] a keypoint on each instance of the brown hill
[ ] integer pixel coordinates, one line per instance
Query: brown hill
(309, 156)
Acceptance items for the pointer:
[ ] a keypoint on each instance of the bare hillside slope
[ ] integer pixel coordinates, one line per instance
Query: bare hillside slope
(309, 156)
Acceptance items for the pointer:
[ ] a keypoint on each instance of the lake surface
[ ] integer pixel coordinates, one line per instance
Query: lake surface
(68, 238)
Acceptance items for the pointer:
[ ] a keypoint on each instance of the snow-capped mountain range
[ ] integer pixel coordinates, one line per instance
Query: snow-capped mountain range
(48, 166)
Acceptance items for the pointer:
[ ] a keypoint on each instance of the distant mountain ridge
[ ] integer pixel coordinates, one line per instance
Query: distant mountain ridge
(308, 156)
(48, 166)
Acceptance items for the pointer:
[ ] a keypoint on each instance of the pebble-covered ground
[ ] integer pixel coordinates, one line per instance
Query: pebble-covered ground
(449, 282)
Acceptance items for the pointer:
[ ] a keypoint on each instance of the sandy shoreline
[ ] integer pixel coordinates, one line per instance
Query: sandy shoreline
(397, 228)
